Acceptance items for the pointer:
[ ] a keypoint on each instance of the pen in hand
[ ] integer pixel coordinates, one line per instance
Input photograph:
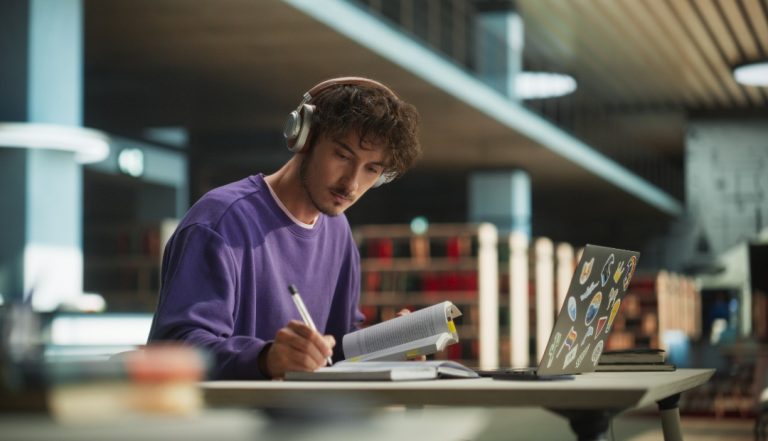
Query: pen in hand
(304, 313)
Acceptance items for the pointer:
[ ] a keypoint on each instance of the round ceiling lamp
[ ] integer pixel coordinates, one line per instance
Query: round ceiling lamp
(541, 85)
(754, 73)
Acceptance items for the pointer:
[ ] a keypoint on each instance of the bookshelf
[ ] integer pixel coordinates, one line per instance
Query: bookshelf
(456, 262)
(654, 304)
(122, 262)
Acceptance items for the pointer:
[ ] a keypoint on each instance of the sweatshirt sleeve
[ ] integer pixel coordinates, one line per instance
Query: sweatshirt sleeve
(197, 300)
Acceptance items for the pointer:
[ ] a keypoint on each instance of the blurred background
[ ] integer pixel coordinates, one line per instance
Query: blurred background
(546, 125)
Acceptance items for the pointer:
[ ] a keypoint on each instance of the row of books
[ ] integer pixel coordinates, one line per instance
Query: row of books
(418, 247)
(375, 281)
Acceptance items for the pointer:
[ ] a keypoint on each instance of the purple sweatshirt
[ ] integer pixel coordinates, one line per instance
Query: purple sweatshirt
(226, 272)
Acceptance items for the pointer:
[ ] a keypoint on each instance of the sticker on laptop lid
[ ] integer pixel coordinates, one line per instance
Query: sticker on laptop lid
(586, 270)
(571, 355)
(612, 296)
(582, 355)
(597, 351)
(605, 274)
(569, 340)
(631, 265)
(555, 342)
(589, 332)
(601, 323)
(572, 308)
(614, 311)
(588, 292)
(593, 308)
(619, 271)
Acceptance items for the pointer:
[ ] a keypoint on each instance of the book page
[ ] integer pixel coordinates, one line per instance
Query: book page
(431, 321)
(422, 346)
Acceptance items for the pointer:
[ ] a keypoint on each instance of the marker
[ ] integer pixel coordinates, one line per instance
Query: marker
(304, 313)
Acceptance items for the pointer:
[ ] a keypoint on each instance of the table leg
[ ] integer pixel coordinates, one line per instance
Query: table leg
(588, 425)
(670, 418)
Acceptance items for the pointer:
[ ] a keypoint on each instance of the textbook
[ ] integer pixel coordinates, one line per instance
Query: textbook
(634, 367)
(633, 356)
(421, 332)
(385, 371)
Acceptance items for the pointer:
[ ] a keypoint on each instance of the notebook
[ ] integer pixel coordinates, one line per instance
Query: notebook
(591, 304)
(385, 371)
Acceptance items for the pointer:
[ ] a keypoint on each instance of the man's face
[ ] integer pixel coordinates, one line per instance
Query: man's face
(337, 171)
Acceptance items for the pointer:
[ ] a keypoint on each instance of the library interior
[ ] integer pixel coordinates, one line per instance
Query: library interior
(545, 126)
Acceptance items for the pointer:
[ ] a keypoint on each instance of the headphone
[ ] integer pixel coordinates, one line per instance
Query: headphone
(299, 122)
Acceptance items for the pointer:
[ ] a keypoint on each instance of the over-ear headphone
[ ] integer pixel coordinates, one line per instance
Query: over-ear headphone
(298, 124)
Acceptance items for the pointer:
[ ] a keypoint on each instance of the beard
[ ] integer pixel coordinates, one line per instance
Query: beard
(304, 178)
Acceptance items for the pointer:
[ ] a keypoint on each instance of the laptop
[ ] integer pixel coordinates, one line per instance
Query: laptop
(591, 304)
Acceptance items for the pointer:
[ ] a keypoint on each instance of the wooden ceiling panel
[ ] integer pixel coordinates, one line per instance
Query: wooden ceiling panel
(701, 42)
(549, 19)
(758, 20)
(738, 25)
(657, 38)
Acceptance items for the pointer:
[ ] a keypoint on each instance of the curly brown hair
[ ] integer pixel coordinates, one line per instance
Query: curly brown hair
(376, 114)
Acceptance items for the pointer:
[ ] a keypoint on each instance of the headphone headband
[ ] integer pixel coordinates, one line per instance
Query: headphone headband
(346, 81)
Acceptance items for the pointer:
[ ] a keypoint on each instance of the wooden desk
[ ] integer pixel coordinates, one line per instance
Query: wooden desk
(589, 401)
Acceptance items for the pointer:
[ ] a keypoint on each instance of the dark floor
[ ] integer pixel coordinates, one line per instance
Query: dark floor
(536, 424)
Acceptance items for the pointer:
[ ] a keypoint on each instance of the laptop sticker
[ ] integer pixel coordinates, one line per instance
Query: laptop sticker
(614, 310)
(582, 355)
(571, 355)
(630, 271)
(593, 308)
(586, 270)
(601, 323)
(619, 271)
(612, 296)
(589, 291)
(572, 308)
(605, 274)
(597, 351)
(569, 340)
(589, 332)
(552, 347)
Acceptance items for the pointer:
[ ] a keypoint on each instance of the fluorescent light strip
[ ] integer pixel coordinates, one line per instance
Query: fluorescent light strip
(395, 46)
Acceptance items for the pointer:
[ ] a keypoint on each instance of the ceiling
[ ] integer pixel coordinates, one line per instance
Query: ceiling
(643, 67)
(231, 70)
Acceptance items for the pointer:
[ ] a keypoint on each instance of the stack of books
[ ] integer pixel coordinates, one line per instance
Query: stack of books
(638, 359)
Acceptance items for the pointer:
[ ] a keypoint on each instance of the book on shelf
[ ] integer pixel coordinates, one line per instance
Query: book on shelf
(385, 371)
(421, 332)
(633, 356)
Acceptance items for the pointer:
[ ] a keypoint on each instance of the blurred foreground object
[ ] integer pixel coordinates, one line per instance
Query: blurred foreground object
(22, 383)
(158, 380)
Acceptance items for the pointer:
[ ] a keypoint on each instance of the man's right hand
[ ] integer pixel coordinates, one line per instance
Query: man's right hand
(297, 348)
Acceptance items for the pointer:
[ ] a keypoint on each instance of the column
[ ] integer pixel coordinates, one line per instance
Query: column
(42, 148)
(499, 41)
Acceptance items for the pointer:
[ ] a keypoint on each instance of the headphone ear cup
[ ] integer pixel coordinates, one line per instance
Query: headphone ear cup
(296, 128)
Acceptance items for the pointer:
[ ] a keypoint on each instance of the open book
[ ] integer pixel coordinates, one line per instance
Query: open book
(421, 332)
(385, 371)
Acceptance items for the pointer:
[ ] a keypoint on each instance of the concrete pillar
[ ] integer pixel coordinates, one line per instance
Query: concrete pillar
(41, 150)
(499, 48)
(502, 198)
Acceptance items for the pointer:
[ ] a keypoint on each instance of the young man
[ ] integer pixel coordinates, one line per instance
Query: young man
(227, 268)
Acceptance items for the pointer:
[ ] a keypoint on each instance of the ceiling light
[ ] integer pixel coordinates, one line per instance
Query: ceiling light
(538, 85)
(88, 145)
(754, 73)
